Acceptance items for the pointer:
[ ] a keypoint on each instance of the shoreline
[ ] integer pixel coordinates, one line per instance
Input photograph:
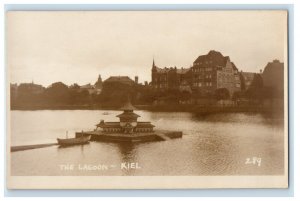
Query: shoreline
(169, 108)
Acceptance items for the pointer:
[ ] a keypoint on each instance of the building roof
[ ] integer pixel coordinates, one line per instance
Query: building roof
(109, 125)
(144, 125)
(273, 74)
(234, 66)
(276, 65)
(121, 79)
(212, 57)
(117, 125)
(128, 115)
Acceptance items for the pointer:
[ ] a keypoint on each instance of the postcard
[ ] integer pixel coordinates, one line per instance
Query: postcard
(147, 99)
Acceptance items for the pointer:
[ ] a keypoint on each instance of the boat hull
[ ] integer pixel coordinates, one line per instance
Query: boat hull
(74, 141)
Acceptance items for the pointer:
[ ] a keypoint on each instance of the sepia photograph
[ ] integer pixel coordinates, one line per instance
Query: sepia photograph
(147, 99)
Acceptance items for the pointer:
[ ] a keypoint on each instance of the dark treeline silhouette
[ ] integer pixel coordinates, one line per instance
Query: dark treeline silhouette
(60, 96)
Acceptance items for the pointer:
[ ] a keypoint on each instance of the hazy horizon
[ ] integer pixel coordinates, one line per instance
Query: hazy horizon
(75, 47)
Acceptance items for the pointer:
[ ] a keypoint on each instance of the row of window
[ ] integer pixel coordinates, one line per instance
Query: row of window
(224, 74)
(160, 79)
(112, 130)
(143, 129)
(201, 69)
(202, 84)
(202, 77)
(228, 85)
(224, 80)
(204, 62)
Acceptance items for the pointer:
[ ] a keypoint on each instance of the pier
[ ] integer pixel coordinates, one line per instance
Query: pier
(27, 147)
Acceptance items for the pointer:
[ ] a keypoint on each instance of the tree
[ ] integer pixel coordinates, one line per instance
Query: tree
(57, 94)
(75, 86)
(255, 90)
(114, 94)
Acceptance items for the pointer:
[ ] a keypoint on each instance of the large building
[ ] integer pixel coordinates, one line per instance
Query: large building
(273, 75)
(208, 73)
(213, 71)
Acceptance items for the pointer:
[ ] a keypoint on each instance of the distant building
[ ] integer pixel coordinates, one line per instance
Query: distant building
(88, 87)
(14, 87)
(247, 78)
(273, 75)
(169, 78)
(93, 89)
(30, 88)
(119, 79)
(13, 91)
(208, 73)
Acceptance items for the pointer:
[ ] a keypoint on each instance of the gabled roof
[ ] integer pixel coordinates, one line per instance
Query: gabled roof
(215, 57)
(234, 66)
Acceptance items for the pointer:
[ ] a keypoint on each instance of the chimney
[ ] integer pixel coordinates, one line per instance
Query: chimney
(136, 79)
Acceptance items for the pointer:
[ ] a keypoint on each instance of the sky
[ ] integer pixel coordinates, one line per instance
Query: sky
(77, 46)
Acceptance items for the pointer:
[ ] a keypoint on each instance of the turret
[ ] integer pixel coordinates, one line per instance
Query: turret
(128, 119)
(153, 66)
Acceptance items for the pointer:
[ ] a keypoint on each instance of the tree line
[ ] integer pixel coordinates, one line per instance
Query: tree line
(113, 95)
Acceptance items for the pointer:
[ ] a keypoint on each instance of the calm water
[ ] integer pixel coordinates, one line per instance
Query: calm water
(211, 145)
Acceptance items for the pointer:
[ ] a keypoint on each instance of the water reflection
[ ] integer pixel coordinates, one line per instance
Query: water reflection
(128, 154)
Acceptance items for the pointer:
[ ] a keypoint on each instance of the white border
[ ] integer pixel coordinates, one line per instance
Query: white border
(296, 70)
